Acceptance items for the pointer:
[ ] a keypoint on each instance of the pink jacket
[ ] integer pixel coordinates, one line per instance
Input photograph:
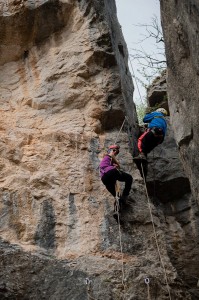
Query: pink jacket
(106, 165)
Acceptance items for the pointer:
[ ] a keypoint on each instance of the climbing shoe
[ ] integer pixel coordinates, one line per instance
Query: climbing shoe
(141, 156)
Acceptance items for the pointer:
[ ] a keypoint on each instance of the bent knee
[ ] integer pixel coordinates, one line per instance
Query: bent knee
(130, 178)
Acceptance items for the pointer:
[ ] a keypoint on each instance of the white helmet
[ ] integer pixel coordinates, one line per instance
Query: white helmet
(162, 110)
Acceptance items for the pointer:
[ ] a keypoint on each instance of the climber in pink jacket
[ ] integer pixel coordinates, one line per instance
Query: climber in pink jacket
(110, 172)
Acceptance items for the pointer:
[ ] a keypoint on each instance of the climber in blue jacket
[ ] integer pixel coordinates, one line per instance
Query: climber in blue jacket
(155, 133)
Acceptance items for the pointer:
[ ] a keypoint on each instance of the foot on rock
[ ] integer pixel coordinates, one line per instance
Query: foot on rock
(141, 156)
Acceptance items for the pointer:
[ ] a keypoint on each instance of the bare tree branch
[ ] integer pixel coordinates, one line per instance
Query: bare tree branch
(151, 64)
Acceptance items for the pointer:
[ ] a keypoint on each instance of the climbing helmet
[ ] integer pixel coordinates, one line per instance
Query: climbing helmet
(162, 110)
(115, 148)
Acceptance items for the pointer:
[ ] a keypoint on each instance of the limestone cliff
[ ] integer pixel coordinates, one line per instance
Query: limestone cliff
(65, 90)
(180, 24)
(169, 188)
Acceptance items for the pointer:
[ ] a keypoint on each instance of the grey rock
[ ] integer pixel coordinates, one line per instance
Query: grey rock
(180, 26)
(66, 89)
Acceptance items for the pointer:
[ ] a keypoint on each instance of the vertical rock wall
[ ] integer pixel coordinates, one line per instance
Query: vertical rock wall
(169, 188)
(65, 90)
(61, 92)
(180, 24)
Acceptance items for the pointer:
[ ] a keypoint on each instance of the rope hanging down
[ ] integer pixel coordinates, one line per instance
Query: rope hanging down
(117, 189)
(136, 81)
(146, 280)
(155, 235)
(125, 118)
(119, 227)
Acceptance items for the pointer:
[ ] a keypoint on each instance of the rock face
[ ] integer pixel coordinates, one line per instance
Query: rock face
(65, 90)
(61, 92)
(166, 178)
(169, 188)
(157, 92)
(180, 24)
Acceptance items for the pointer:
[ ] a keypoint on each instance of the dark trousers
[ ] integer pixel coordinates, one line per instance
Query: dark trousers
(109, 180)
(149, 140)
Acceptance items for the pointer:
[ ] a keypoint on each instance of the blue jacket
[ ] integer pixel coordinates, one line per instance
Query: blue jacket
(156, 119)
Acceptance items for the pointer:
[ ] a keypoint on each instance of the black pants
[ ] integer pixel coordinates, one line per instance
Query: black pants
(109, 180)
(149, 140)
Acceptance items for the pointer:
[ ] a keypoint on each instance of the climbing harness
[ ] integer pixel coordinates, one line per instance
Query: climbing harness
(147, 281)
(155, 235)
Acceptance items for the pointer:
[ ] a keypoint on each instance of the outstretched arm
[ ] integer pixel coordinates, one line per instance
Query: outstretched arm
(148, 118)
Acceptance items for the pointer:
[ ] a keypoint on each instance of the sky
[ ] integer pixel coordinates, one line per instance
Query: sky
(131, 13)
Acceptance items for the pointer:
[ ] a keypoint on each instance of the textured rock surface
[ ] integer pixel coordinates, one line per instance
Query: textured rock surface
(180, 24)
(56, 100)
(65, 89)
(169, 188)
(157, 92)
(166, 178)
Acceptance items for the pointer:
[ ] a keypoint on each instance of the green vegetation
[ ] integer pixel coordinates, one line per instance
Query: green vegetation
(141, 110)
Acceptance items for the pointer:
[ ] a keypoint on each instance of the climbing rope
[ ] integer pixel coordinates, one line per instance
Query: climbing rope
(154, 194)
(136, 81)
(120, 234)
(125, 118)
(155, 234)
(153, 168)
(117, 189)
(76, 153)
